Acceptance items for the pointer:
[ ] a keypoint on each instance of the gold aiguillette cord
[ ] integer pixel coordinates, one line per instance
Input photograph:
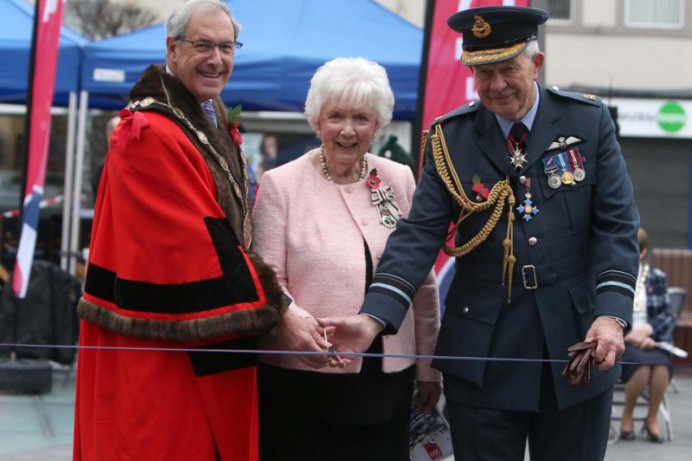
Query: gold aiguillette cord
(500, 194)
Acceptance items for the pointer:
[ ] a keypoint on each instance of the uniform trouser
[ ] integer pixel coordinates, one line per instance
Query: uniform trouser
(577, 433)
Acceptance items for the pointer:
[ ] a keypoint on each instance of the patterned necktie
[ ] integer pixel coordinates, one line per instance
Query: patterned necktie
(516, 143)
(208, 107)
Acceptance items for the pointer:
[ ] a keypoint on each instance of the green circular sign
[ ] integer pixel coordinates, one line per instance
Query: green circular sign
(671, 117)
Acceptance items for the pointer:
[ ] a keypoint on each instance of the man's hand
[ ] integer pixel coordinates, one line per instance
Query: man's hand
(429, 393)
(608, 336)
(303, 334)
(352, 334)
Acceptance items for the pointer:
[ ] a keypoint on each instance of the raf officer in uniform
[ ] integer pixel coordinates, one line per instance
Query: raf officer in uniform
(546, 249)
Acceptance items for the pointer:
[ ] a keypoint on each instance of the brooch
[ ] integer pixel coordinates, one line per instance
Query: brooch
(382, 197)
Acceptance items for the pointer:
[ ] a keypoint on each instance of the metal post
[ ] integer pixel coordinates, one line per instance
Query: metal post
(77, 189)
(67, 187)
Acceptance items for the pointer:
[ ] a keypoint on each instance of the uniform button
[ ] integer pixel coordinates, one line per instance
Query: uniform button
(364, 221)
(348, 189)
(522, 179)
(465, 310)
(533, 241)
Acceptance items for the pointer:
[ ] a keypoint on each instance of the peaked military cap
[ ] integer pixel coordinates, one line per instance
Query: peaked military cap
(496, 33)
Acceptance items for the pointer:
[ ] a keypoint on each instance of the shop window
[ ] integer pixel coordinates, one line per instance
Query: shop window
(560, 11)
(655, 14)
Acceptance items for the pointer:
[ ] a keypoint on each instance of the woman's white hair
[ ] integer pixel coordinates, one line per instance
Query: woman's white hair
(350, 81)
(177, 21)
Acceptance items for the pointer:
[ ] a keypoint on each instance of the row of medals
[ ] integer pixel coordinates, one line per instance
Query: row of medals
(518, 160)
(567, 177)
(564, 171)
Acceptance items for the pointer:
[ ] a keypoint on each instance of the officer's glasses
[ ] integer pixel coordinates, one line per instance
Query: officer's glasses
(205, 47)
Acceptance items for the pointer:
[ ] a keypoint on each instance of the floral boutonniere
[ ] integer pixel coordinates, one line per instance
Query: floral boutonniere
(382, 198)
(479, 188)
(234, 122)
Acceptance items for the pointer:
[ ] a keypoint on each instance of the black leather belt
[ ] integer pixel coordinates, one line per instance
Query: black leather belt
(528, 276)
(541, 275)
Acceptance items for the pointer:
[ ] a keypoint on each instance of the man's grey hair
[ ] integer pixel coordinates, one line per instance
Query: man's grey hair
(177, 21)
(351, 81)
(531, 49)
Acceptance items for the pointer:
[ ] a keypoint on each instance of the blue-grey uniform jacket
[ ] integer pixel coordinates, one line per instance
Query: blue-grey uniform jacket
(576, 259)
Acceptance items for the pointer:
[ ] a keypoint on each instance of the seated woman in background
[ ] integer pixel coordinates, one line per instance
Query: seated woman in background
(651, 320)
(322, 222)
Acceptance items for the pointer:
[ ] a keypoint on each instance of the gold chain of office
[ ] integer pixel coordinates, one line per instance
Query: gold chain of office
(500, 194)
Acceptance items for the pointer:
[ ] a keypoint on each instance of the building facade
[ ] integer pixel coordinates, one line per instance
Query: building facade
(630, 52)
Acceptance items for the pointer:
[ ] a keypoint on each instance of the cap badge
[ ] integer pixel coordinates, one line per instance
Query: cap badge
(481, 29)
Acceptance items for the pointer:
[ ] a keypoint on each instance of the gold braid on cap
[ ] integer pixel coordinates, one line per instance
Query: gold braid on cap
(500, 194)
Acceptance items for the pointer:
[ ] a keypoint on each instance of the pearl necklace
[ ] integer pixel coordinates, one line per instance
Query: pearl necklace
(640, 286)
(325, 170)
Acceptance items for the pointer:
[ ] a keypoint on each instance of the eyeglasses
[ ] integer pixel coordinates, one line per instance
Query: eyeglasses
(205, 47)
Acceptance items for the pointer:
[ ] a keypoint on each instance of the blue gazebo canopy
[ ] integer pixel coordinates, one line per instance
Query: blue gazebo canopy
(285, 42)
(16, 28)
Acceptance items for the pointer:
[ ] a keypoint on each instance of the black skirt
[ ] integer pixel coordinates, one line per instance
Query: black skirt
(315, 416)
(642, 357)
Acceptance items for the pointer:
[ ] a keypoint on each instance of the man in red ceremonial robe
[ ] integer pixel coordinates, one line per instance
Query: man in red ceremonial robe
(170, 272)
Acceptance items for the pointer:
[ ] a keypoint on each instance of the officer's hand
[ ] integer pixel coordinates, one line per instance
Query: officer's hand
(352, 335)
(610, 344)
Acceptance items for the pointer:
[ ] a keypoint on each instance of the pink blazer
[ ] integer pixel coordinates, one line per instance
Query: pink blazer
(311, 231)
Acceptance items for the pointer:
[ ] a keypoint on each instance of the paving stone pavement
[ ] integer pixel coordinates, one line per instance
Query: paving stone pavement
(39, 428)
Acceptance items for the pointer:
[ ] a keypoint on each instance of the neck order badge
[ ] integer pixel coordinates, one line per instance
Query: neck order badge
(517, 145)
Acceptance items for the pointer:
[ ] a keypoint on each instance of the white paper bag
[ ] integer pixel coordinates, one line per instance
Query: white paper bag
(429, 436)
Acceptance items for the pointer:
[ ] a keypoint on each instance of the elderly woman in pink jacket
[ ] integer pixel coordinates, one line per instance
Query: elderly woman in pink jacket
(322, 222)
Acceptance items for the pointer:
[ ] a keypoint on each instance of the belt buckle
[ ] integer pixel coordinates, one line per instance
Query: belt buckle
(533, 283)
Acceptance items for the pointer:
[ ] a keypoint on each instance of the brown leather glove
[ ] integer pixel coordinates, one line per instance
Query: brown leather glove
(578, 370)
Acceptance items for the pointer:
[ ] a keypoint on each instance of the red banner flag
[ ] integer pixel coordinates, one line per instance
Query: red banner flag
(47, 22)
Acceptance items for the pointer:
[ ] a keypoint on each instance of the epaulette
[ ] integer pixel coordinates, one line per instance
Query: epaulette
(461, 110)
(587, 98)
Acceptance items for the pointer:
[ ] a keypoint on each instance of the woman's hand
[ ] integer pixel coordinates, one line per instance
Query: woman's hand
(638, 337)
(429, 393)
(648, 343)
(300, 333)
